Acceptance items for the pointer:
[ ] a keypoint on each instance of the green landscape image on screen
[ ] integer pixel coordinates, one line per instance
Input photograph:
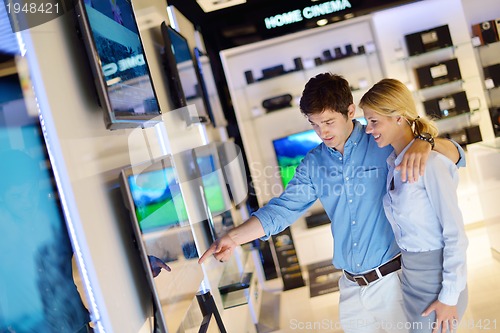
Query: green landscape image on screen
(158, 199)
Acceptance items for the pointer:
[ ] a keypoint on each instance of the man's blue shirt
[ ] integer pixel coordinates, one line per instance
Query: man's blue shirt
(351, 188)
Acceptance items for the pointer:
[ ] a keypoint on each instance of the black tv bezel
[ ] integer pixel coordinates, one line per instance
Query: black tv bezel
(157, 164)
(198, 68)
(174, 81)
(177, 96)
(111, 121)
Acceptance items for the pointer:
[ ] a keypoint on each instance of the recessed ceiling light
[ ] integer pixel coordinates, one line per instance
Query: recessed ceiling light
(322, 22)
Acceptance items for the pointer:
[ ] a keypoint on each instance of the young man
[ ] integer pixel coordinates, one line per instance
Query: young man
(347, 173)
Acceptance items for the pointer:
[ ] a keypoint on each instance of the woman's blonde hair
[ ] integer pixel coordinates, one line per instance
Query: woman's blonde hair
(390, 97)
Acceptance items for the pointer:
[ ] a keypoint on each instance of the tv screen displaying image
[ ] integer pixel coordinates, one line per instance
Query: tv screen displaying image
(211, 184)
(121, 73)
(214, 184)
(164, 236)
(290, 151)
(157, 199)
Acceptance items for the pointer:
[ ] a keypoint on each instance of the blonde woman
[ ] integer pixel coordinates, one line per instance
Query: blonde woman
(424, 215)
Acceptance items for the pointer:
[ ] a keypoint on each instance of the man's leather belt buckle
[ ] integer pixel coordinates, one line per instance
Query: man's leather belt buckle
(367, 278)
(361, 280)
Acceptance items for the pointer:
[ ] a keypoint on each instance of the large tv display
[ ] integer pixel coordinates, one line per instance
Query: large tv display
(214, 185)
(164, 235)
(119, 66)
(291, 149)
(182, 74)
(157, 199)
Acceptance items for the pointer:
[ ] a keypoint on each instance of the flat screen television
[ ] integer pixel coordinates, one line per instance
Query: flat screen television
(214, 185)
(202, 84)
(153, 196)
(181, 72)
(117, 59)
(156, 197)
(291, 149)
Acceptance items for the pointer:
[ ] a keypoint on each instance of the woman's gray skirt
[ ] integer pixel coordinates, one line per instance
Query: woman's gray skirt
(421, 277)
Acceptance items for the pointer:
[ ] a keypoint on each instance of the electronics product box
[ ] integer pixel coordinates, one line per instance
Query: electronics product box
(492, 76)
(447, 106)
(495, 119)
(436, 74)
(465, 136)
(487, 31)
(428, 40)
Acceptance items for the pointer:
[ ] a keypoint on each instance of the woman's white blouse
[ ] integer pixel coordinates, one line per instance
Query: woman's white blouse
(425, 216)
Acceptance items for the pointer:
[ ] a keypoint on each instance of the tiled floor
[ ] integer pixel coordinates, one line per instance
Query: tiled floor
(299, 313)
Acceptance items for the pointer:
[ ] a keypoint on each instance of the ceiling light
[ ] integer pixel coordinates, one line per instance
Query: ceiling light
(322, 22)
(212, 5)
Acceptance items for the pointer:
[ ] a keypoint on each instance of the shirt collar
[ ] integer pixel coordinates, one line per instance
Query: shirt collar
(355, 136)
(394, 160)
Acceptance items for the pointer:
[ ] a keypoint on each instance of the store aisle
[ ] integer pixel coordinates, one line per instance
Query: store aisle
(299, 313)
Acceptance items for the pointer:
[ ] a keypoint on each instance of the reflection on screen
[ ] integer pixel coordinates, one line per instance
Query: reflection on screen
(157, 199)
(122, 57)
(290, 151)
(211, 183)
(37, 290)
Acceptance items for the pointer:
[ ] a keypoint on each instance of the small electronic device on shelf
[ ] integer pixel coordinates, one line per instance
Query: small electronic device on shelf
(428, 40)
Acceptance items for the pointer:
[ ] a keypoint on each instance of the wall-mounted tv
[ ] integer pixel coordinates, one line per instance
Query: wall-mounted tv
(160, 224)
(156, 197)
(180, 68)
(214, 185)
(291, 149)
(121, 73)
(202, 84)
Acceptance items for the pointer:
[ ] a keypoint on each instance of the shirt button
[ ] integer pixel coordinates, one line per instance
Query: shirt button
(355, 244)
(346, 178)
(353, 222)
(358, 265)
(350, 200)
(340, 158)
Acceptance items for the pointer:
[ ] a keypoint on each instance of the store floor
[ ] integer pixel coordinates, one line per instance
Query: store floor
(300, 313)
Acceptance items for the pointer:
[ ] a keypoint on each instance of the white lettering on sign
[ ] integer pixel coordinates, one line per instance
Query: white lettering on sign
(283, 19)
(123, 65)
(308, 13)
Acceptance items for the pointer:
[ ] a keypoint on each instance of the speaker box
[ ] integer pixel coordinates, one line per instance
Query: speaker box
(436, 74)
(298, 64)
(349, 50)
(327, 55)
(270, 72)
(486, 31)
(428, 40)
(338, 53)
(249, 77)
(277, 102)
(492, 73)
(447, 106)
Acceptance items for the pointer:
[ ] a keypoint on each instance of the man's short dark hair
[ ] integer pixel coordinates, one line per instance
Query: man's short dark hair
(324, 92)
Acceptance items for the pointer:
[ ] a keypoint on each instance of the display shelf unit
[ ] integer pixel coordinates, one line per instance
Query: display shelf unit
(437, 99)
(487, 55)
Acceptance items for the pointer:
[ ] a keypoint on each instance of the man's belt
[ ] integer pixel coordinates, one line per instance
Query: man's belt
(371, 276)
